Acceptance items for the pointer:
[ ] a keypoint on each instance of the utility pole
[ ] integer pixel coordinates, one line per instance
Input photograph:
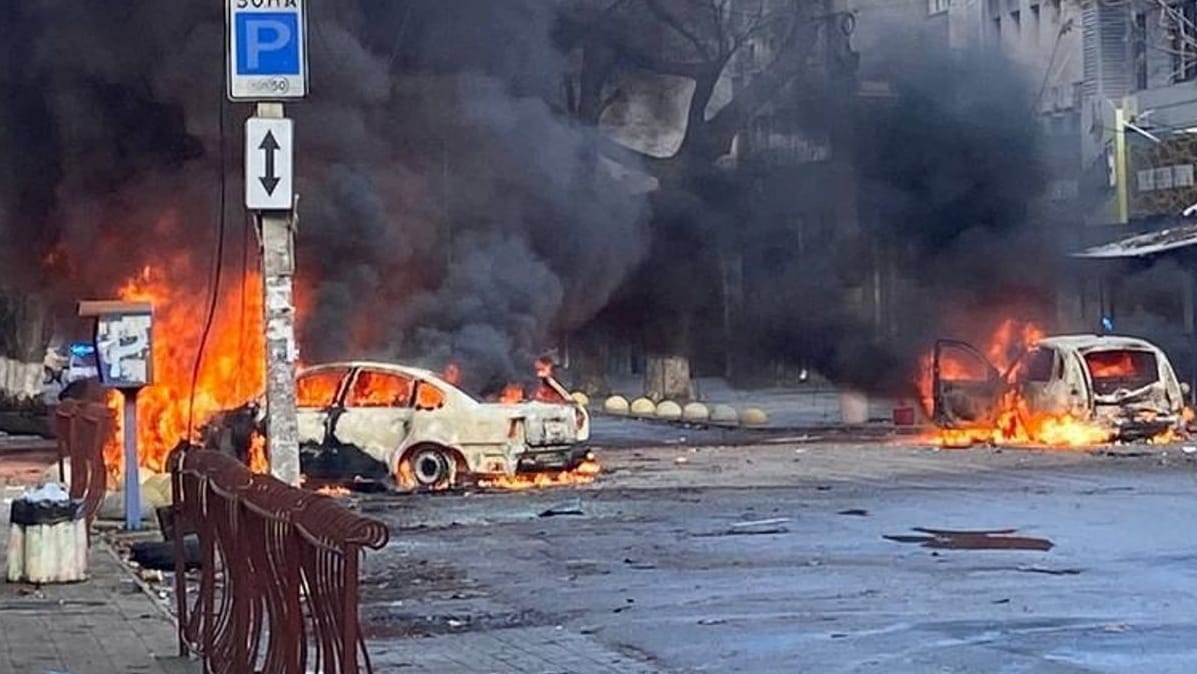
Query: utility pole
(1121, 188)
(267, 61)
(277, 234)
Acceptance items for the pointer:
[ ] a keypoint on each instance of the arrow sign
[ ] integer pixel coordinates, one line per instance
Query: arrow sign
(269, 149)
(269, 146)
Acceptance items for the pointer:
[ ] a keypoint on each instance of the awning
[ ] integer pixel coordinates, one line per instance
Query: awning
(1142, 245)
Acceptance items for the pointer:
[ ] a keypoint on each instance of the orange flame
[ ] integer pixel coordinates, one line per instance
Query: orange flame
(233, 367)
(258, 461)
(512, 393)
(585, 473)
(452, 374)
(1014, 422)
(1110, 364)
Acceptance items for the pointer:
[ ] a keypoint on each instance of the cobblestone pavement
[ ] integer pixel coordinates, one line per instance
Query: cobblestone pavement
(516, 650)
(106, 625)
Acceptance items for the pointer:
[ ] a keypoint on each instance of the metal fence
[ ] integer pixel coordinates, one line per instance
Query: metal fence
(81, 430)
(278, 571)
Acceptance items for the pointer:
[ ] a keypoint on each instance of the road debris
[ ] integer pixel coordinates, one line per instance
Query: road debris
(994, 539)
(856, 512)
(573, 507)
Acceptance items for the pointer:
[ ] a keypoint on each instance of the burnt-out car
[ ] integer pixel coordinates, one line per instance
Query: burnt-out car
(382, 421)
(1125, 385)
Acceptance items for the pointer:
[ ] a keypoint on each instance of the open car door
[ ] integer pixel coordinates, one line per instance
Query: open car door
(966, 387)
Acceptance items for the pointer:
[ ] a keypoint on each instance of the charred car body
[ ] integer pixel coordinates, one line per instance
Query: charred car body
(1124, 384)
(381, 421)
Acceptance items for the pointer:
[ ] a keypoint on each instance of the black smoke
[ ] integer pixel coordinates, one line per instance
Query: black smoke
(944, 175)
(449, 211)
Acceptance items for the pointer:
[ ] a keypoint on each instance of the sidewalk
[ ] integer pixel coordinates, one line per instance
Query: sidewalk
(106, 625)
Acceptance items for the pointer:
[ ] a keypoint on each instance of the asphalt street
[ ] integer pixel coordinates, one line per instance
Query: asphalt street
(775, 558)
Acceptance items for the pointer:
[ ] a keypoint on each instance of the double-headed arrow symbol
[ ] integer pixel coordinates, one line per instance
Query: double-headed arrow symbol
(269, 146)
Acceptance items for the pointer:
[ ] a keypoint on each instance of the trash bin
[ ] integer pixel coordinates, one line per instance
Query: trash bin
(47, 539)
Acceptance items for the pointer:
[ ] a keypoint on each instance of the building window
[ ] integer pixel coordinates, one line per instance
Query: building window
(938, 6)
(1139, 51)
(1184, 42)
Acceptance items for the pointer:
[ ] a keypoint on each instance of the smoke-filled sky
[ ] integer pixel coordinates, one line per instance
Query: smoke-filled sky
(445, 209)
(450, 210)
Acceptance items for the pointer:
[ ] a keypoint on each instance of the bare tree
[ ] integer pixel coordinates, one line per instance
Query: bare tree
(697, 41)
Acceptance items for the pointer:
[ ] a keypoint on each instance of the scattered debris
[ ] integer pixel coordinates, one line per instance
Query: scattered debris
(1049, 571)
(1001, 601)
(573, 507)
(995, 539)
(857, 512)
(752, 528)
(711, 621)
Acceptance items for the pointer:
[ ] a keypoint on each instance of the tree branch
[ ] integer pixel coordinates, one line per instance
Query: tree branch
(664, 16)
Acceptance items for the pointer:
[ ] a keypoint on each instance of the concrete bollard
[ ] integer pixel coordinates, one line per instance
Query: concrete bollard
(669, 410)
(724, 414)
(696, 412)
(643, 407)
(616, 405)
(854, 408)
(754, 416)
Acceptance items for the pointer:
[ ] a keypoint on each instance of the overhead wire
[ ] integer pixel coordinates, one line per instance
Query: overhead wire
(217, 267)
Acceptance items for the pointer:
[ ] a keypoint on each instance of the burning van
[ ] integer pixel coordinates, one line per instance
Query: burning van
(1062, 390)
(384, 421)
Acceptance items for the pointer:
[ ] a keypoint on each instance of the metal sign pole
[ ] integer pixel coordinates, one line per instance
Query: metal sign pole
(267, 63)
(132, 467)
(278, 267)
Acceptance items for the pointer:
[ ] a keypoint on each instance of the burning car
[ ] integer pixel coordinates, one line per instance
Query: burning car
(1062, 390)
(378, 420)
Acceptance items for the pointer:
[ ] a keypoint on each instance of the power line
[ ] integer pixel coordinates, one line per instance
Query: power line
(218, 261)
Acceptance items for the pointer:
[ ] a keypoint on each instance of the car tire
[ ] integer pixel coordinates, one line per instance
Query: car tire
(427, 468)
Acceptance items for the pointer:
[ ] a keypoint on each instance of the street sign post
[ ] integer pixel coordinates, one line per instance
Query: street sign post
(269, 150)
(268, 50)
(124, 354)
(268, 64)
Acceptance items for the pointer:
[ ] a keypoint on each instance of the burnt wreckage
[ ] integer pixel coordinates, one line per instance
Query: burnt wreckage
(381, 421)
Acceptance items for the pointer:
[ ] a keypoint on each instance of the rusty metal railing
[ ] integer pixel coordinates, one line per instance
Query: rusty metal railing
(82, 430)
(278, 575)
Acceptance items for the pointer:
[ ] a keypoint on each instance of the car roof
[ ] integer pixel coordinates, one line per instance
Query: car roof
(413, 372)
(1097, 343)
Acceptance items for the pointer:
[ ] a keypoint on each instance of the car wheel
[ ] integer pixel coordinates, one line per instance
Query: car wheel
(427, 468)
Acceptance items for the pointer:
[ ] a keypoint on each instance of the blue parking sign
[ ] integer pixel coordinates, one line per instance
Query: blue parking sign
(267, 57)
(267, 43)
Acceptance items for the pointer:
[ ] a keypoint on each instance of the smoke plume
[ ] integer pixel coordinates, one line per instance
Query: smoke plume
(447, 211)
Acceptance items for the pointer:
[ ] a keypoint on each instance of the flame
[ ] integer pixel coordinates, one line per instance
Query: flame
(512, 393)
(376, 389)
(335, 491)
(233, 367)
(1110, 364)
(584, 473)
(1014, 423)
(258, 461)
(452, 374)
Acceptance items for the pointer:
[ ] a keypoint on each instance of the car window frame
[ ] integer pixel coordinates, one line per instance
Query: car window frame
(338, 393)
(357, 372)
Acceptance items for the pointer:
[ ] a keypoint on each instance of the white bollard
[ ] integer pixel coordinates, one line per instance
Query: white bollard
(854, 408)
(48, 538)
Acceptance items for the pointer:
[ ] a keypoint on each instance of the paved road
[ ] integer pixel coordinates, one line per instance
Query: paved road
(656, 576)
